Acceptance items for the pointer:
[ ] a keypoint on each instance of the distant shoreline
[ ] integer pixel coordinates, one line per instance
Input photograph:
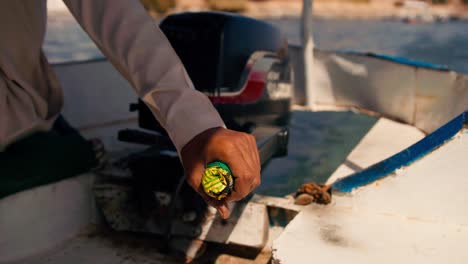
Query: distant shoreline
(277, 9)
(345, 10)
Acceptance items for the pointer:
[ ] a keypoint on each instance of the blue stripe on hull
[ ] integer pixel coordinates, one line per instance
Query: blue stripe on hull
(403, 158)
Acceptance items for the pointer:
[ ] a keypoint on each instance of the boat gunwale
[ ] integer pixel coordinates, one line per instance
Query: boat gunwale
(403, 158)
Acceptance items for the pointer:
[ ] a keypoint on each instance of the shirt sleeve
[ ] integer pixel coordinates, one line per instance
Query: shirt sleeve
(134, 44)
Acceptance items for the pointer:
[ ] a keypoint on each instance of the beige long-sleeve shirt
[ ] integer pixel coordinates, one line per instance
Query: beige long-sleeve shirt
(31, 97)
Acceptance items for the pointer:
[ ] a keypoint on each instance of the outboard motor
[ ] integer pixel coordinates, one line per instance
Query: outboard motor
(239, 62)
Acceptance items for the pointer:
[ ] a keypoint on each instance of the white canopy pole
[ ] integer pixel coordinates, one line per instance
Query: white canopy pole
(307, 42)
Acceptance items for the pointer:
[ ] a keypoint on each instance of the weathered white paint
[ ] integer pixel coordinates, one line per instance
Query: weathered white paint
(320, 235)
(94, 93)
(41, 218)
(385, 139)
(286, 203)
(362, 82)
(96, 101)
(414, 217)
(248, 226)
(439, 97)
(421, 97)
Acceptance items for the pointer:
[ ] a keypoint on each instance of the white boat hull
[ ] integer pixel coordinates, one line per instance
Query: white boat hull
(422, 95)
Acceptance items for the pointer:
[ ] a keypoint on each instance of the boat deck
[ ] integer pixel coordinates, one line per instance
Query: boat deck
(383, 140)
(414, 214)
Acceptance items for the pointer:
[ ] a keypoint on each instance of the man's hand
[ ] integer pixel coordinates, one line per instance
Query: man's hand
(238, 150)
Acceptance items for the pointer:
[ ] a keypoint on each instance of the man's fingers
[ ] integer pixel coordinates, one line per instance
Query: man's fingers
(241, 189)
(221, 206)
(194, 179)
(223, 211)
(247, 173)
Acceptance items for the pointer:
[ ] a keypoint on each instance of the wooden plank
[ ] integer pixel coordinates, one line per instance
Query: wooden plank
(247, 226)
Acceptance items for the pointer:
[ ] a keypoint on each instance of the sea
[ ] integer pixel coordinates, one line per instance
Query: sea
(319, 142)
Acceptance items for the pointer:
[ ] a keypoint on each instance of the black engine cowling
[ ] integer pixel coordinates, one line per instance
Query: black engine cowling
(215, 48)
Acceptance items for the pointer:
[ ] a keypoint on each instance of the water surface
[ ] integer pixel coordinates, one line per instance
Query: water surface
(440, 43)
(319, 142)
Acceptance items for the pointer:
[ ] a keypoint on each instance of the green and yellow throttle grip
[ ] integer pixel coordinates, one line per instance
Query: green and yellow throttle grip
(217, 180)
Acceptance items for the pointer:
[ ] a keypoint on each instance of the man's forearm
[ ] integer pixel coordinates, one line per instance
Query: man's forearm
(135, 45)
